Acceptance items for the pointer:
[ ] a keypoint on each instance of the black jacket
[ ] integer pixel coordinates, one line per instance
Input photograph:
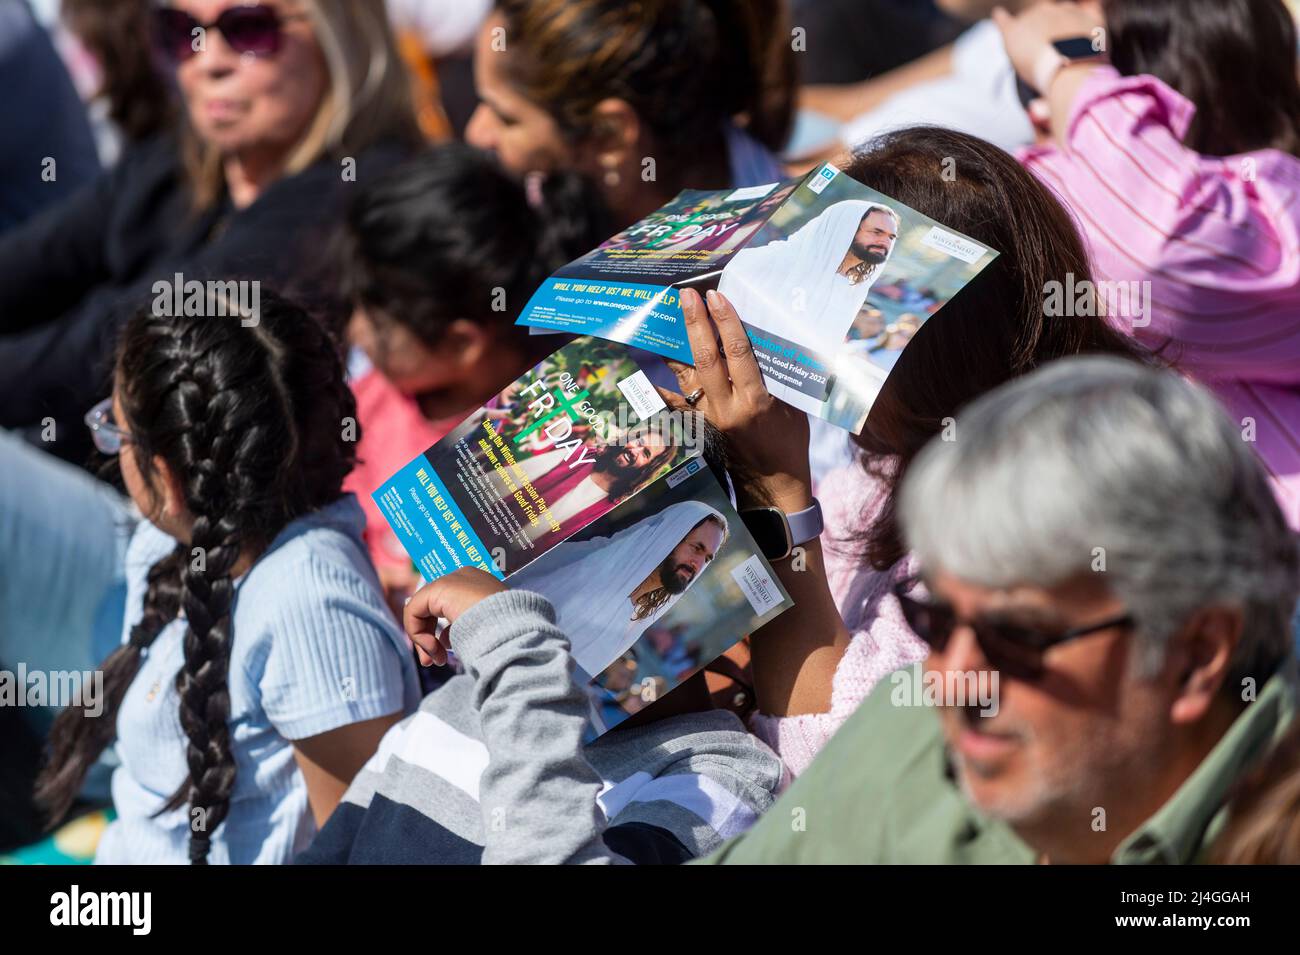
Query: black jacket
(71, 276)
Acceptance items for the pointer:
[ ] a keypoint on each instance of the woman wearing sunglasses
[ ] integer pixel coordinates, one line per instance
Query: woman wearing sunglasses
(257, 666)
(285, 102)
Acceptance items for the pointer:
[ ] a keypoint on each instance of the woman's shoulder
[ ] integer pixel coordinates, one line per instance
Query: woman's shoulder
(850, 489)
(317, 570)
(321, 187)
(312, 603)
(329, 537)
(851, 497)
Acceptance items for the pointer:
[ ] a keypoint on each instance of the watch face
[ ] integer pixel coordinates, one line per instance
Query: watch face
(770, 531)
(1076, 48)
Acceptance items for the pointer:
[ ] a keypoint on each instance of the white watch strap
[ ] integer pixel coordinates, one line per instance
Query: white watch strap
(805, 525)
(1046, 67)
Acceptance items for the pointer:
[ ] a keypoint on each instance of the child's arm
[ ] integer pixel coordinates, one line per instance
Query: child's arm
(538, 792)
(330, 760)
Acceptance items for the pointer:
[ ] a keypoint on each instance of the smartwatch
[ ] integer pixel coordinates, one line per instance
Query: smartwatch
(1073, 49)
(778, 533)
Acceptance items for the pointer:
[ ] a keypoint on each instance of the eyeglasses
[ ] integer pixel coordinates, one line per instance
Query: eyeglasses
(1010, 648)
(108, 437)
(252, 28)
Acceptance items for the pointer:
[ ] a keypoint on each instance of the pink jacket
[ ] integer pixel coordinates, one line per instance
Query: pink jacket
(1217, 238)
(881, 640)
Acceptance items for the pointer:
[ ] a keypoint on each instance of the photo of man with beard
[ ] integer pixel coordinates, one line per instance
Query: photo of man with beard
(808, 288)
(608, 590)
(576, 496)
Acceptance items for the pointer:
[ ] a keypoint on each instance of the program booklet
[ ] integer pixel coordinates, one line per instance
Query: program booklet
(576, 482)
(831, 279)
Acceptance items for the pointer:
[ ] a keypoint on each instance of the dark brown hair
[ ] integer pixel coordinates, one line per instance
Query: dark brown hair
(247, 419)
(447, 234)
(993, 330)
(685, 66)
(117, 33)
(1234, 59)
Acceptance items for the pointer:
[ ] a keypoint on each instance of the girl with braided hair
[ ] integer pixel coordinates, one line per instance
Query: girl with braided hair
(259, 666)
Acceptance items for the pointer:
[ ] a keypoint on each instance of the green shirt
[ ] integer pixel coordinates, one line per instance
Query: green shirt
(881, 792)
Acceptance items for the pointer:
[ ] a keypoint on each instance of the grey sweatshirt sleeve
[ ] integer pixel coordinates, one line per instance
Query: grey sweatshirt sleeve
(538, 793)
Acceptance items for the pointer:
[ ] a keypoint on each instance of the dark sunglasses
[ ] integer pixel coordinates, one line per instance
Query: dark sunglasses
(250, 28)
(1010, 648)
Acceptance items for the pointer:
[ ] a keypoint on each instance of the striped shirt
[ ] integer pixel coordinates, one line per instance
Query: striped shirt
(1217, 238)
(492, 768)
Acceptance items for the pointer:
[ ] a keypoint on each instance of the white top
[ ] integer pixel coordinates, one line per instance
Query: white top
(979, 97)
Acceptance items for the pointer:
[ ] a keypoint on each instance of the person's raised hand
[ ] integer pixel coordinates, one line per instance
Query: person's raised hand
(1029, 35)
(447, 598)
(768, 437)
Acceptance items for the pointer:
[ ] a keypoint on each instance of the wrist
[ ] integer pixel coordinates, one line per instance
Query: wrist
(1077, 69)
(1047, 63)
(785, 492)
(497, 618)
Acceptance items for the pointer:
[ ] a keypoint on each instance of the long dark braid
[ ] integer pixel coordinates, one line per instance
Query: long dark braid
(76, 740)
(251, 421)
(217, 540)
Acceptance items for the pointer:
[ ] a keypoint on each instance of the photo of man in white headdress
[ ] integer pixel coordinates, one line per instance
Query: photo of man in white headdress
(607, 591)
(808, 288)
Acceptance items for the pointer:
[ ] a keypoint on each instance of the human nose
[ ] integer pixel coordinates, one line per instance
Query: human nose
(480, 131)
(963, 653)
(214, 56)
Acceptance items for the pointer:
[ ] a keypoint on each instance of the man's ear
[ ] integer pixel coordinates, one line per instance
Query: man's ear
(615, 132)
(1202, 653)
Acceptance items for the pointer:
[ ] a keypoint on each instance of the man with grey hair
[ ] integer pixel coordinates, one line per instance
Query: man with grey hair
(1101, 540)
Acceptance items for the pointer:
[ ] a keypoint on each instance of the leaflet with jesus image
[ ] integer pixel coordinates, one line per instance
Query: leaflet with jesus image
(563, 444)
(830, 277)
(654, 591)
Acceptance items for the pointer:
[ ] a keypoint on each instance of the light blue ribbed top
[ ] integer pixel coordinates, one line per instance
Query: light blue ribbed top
(314, 648)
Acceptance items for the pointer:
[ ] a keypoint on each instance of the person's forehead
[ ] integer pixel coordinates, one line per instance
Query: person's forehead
(208, 10)
(494, 85)
(1064, 599)
(707, 532)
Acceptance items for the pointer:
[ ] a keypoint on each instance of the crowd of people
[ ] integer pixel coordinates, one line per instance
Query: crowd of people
(257, 256)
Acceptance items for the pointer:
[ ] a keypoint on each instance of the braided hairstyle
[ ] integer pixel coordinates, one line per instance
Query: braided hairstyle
(250, 419)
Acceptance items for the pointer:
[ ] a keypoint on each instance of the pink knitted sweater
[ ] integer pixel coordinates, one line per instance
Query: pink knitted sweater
(881, 640)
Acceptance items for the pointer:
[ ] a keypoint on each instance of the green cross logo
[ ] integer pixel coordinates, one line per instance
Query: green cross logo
(563, 405)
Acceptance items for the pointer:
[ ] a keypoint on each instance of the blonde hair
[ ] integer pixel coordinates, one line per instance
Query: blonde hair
(368, 98)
